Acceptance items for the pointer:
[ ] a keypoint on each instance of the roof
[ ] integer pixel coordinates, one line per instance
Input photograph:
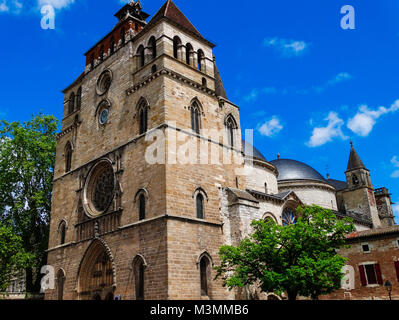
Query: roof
(354, 160)
(171, 12)
(294, 170)
(219, 87)
(337, 184)
(250, 151)
(240, 194)
(374, 232)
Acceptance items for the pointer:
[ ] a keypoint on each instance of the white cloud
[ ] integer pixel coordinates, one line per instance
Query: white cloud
(322, 135)
(3, 6)
(365, 119)
(395, 163)
(252, 96)
(10, 6)
(395, 209)
(57, 4)
(287, 47)
(271, 127)
(340, 77)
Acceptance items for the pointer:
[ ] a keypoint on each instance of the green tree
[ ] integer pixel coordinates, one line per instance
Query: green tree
(12, 256)
(27, 156)
(299, 259)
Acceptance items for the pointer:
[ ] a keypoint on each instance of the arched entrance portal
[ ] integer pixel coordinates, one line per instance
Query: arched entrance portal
(96, 276)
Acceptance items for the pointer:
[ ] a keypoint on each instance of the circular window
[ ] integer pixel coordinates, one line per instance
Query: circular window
(99, 189)
(104, 82)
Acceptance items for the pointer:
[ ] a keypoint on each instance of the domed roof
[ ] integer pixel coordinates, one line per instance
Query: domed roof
(295, 170)
(247, 148)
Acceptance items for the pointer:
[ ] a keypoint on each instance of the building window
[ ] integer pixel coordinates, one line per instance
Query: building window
(204, 82)
(60, 284)
(71, 103)
(200, 206)
(201, 57)
(366, 248)
(288, 217)
(79, 98)
(92, 61)
(266, 190)
(68, 157)
(154, 68)
(139, 277)
(355, 180)
(62, 232)
(123, 35)
(104, 82)
(204, 274)
(143, 116)
(153, 47)
(189, 50)
(397, 269)
(140, 53)
(195, 118)
(112, 45)
(231, 126)
(370, 274)
(176, 47)
(142, 207)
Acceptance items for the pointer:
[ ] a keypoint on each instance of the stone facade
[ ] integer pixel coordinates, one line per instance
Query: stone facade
(142, 200)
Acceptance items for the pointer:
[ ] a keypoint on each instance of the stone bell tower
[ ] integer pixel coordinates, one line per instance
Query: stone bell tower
(359, 195)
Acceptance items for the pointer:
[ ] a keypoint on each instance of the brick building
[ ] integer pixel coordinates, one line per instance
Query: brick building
(152, 175)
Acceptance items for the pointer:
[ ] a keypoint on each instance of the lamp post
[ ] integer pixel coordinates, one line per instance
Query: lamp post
(388, 287)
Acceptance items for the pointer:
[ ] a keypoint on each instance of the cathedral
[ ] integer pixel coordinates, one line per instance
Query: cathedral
(127, 225)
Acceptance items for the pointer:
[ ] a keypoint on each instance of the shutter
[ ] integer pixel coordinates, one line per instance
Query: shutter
(378, 273)
(397, 269)
(363, 279)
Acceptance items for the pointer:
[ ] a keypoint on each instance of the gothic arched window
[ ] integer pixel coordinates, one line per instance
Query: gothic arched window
(231, 126)
(288, 217)
(143, 116)
(189, 49)
(79, 98)
(62, 232)
(201, 57)
(60, 284)
(139, 273)
(176, 47)
(153, 45)
(200, 206)
(68, 157)
(204, 275)
(195, 118)
(71, 103)
(140, 53)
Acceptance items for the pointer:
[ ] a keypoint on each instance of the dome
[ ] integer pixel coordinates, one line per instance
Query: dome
(247, 148)
(295, 170)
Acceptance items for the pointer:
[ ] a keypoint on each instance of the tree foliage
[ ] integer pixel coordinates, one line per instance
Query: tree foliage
(299, 259)
(12, 256)
(27, 156)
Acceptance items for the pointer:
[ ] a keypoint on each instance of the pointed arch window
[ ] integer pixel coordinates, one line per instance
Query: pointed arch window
(79, 98)
(231, 126)
(189, 49)
(140, 53)
(204, 275)
(62, 232)
(195, 118)
(153, 46)
(143, 116)
(200, 206)
(176, 47)
(68, 157)
(139, 277)
(60, 284)
(201, 56)
(289, 217)
(71, 103)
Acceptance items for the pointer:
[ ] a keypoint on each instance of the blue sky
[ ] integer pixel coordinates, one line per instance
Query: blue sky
(306, 85)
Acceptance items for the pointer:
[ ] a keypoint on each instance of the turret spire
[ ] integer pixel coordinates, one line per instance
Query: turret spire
(354, 160)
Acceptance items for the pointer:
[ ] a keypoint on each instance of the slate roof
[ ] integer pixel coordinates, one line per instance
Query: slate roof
(295, 170)
(337, 184)
(374, 232)
(354, 160)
